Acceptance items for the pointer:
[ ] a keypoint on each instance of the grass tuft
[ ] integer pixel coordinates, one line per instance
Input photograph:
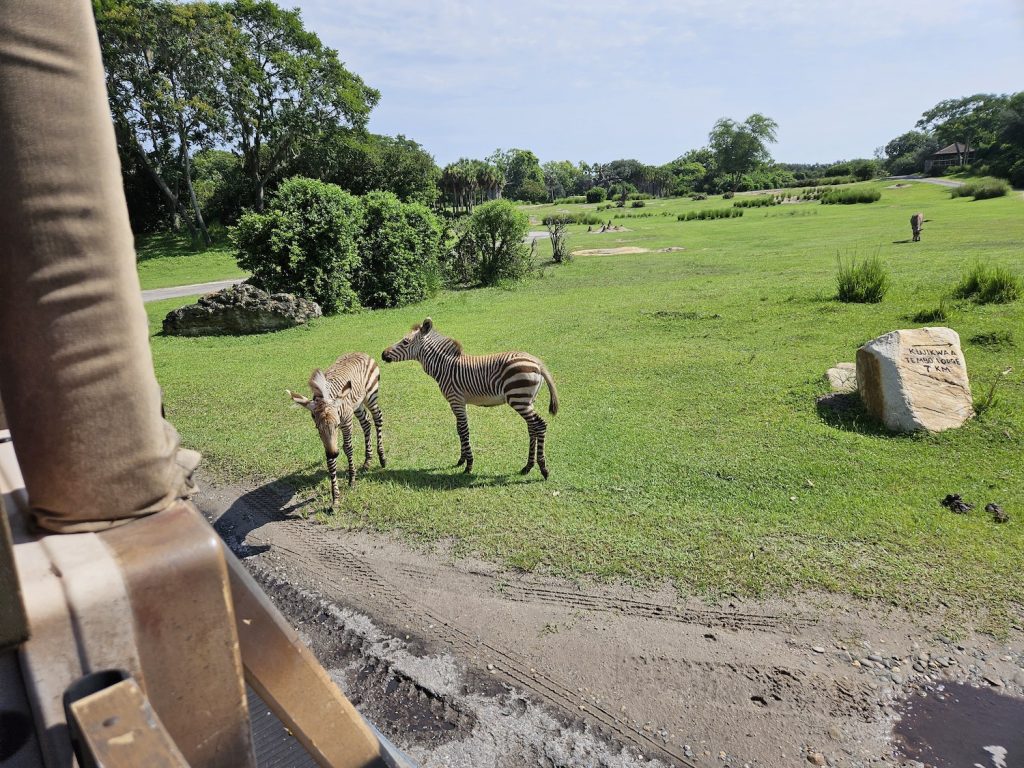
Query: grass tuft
(862, 282)
(987, 284)
(982, 189)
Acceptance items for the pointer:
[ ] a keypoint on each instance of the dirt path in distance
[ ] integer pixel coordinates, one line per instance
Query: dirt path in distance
(463, 663)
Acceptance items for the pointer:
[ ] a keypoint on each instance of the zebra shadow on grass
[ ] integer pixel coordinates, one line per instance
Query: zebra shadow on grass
(446, 478)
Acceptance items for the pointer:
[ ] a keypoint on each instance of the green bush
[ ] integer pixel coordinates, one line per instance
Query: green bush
(982, 189)
(862, 282)
(398, 252)
(498, 229)
(711, 213)
(986, 284)
(596, 195)
(583, 217)
(757, 202)
(850, 196)
(637, 204)
(305, 242)
(571, 200)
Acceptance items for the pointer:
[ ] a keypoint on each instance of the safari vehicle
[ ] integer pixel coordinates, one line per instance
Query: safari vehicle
(129, 635)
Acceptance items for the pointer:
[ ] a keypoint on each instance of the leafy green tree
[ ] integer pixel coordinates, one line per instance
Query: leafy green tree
(220, 185)
(740, 148)
(498, 228)
(906, 153)
(305, 242)
(398, 252)
(284, 90)
(519, 166)
(972, 121)
(163, 62)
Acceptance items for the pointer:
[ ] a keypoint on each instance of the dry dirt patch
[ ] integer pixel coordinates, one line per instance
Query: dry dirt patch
(463, 663)
(610, 251)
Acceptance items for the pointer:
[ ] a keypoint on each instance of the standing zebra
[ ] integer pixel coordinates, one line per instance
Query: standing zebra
(916, 225)
(487, 380)
(349, 386)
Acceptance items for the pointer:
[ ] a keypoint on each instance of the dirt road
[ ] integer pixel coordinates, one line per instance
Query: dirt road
(462, 663)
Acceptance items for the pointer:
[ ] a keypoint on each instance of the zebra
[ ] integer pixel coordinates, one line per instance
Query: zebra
(350, 385)
(916, 224)
(486, 380)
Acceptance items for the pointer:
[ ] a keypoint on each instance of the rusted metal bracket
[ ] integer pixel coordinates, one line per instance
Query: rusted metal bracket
(116, 727)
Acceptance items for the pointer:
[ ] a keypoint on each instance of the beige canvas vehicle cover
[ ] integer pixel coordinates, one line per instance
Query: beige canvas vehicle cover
(76, 374)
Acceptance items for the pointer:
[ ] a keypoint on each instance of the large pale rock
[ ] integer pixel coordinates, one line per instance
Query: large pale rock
(240, 309)
(916, 379)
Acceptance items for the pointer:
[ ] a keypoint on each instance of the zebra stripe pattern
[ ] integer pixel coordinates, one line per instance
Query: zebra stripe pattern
(349, 387)
(512, 378)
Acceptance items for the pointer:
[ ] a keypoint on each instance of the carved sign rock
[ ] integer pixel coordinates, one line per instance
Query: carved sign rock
(914, 380)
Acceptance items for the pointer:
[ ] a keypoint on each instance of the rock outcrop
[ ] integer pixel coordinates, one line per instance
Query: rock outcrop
(915, 380)
(241, 309)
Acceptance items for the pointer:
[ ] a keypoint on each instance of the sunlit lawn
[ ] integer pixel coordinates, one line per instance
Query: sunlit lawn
(688, 445)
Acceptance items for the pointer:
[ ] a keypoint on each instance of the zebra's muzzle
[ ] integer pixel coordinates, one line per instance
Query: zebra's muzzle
(386, 356)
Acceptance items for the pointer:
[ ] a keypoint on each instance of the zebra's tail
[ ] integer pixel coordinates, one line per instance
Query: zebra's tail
(553, 407)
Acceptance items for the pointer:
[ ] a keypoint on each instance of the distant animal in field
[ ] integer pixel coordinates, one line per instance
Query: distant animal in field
(350, 386)
(916, 223)
(512, 378)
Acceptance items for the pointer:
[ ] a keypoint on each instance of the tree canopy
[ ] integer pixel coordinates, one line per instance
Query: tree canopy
(740, 148)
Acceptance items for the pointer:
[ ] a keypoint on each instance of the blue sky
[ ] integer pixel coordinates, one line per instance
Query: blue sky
(602, 80)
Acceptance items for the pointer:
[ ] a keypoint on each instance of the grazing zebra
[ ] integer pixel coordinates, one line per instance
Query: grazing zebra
(487, 380)
(916, 223)
(349, 386)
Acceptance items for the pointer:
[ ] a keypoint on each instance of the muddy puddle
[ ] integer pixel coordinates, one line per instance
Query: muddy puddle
(963, 727)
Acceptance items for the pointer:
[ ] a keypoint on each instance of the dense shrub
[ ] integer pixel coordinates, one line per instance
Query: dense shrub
(850, 196)
(596, 195)
(862, 282)
(757, 202)
(986, 284)
(1017, 174)
(498, 229)
(729, 195)
(823, 181)
(711, 213)
(698, 196)
(571, 200)
(304, 243)
(982, 189)
(398, 252)
(637, 204)
(584, 217)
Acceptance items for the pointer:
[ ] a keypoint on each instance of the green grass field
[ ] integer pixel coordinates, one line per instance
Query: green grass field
(688, 445)
(166, 260)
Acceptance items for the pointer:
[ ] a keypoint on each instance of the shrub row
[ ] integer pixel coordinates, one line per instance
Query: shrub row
(572, 200)
(982, 189)
(582, 217)
(762, 201)
(711, 213)
(850, 196)
(826, 181)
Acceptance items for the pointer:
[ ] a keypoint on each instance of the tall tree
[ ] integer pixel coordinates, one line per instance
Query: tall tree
(740, 148)
(284, 89)
(162, 63)
(972, 121)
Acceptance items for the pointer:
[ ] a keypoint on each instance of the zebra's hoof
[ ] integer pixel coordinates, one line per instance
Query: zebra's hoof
(365, 466)
(526, 470)
(461, 461)
(468, 469)
(383, 463)
(544, 472)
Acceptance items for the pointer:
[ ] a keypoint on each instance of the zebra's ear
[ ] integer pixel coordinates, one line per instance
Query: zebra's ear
(426, 326)
(298, 399)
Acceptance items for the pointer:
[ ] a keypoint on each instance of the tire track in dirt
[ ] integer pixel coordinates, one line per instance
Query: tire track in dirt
(523, 591)
(328, 561)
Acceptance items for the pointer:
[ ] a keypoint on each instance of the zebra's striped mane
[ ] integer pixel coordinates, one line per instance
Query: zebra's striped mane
(447, 343)
(318, 383)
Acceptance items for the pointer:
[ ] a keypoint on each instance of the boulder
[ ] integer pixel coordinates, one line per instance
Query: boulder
(842, 378)
(915, 380)
(241, 309)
